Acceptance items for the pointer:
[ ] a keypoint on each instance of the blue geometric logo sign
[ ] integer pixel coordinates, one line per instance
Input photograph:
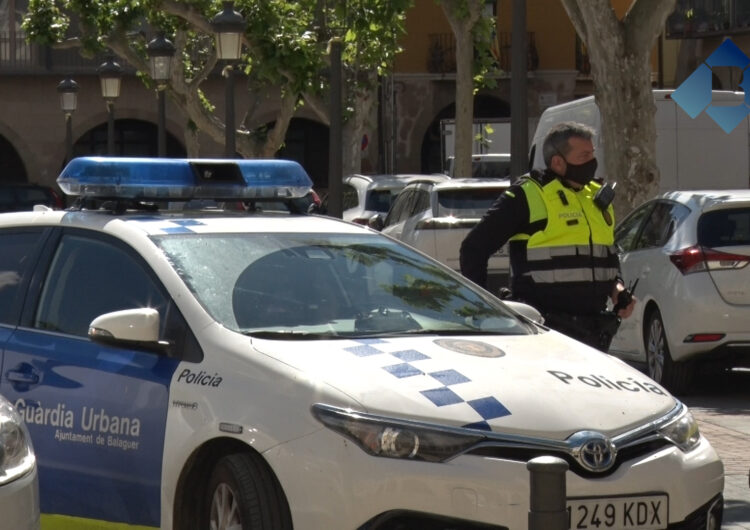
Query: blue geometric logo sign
(694, 94)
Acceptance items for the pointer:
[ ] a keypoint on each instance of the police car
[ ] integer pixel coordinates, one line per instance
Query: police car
(208, 368)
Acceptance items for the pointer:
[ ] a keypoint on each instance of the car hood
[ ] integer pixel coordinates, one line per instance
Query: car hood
(542, 385)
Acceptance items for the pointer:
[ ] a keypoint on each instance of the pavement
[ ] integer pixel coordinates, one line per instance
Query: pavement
(721, 404)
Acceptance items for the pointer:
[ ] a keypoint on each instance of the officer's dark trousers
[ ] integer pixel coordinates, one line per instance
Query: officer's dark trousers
(595, 330)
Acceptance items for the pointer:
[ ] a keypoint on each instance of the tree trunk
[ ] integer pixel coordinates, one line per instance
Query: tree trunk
(620, 54)
(463, 16)
(464, 102)
(629, 131)
(356, 125)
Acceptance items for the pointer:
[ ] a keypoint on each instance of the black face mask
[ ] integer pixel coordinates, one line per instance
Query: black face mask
(581, 173)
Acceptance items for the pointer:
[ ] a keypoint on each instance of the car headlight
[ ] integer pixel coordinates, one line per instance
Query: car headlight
(393, 438)
(682, 431)
(16, 453)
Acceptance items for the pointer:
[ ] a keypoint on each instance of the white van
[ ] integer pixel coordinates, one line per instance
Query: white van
(690, 153)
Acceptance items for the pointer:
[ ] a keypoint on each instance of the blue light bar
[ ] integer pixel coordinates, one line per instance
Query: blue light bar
(152, 179)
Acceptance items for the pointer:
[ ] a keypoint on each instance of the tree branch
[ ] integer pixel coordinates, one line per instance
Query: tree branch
(644, 22)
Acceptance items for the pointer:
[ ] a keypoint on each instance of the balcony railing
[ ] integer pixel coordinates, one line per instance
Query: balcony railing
(693, 19)
(20, 57)
(441, 52)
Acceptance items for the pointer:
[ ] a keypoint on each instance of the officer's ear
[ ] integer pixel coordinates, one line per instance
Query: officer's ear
(557, 164)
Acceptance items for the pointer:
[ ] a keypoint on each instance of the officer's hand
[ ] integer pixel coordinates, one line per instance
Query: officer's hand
(627, 311)
(623, 300)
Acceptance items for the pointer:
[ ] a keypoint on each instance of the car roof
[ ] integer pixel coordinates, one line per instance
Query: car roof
(708, 199)
(179, 221)
(467, 183)
(399, 181)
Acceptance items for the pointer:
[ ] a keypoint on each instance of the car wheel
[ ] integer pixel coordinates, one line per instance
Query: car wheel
(676, 377)
(243, 494)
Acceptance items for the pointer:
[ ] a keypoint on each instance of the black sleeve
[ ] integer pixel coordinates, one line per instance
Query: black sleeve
(507, 216)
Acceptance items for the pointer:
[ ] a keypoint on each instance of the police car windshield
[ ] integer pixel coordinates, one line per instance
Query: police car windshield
(337, 285)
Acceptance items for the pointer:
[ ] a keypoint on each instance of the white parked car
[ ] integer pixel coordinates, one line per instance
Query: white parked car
(489, 165)
(273, 370)
(364, 196)
(19, 483)
(435, 217)
(689, 252)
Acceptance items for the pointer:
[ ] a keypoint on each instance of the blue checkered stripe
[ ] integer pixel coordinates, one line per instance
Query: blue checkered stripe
(170, 226)
(445, 386)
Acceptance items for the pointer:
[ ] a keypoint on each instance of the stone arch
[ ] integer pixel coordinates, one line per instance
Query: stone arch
(485, 107)
(12, 168)
(133, 137)
(306, 142)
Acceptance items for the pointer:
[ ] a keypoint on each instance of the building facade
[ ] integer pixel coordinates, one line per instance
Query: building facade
(405, 138)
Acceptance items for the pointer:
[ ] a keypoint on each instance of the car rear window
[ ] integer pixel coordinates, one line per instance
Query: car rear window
(379, 200)
(470, 202)
(722, 228)
(490, 169)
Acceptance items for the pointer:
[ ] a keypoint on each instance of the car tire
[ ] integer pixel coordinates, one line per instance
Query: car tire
(674, 376)
(243, 493)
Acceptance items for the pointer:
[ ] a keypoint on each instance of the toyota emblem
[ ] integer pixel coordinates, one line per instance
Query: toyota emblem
(594, 451)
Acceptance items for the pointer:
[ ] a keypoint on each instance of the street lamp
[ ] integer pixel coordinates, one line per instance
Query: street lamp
(68, 90)
(229, 27)
(160, 52)
(110, 75)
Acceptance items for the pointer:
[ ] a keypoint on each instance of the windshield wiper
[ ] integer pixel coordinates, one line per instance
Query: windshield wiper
(440, 332)
(291, 335)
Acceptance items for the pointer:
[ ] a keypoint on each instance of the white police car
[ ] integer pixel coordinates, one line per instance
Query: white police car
(270, 370)
(19, 482)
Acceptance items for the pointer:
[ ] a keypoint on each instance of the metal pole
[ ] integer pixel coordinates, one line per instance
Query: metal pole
(519, 121)
(68, 136)
(547, 502)
(162, 124)
(335, 158)
(111, 128)
(230, 150)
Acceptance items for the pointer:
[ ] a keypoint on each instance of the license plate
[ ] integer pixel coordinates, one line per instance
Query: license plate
(649, 512)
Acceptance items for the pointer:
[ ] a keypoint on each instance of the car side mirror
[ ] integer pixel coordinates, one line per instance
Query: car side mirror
(134, 328)
(526, 310)
(376, 222)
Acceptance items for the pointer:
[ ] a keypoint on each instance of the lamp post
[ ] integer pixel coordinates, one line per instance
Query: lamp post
(229, 27)
(68, 90)
(160, 52)
(110, 75)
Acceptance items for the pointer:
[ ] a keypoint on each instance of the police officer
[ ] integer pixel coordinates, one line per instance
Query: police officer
(561, 235)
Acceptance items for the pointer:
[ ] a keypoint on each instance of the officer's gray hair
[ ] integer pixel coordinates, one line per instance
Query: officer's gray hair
(556, 141)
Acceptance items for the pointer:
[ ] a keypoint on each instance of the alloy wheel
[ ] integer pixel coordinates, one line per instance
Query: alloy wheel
(225, 513)
(655, 349)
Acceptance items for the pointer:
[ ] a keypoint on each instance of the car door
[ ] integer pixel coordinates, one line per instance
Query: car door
(20, 248)
(627, 233)
(641, 241)
(96, 413)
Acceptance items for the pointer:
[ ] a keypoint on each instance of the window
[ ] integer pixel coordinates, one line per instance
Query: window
(723, 228)
(349, 197)
(661, 224)
(469, 202)
(15, 259)
(627, 232)
(421, 202)
(89, 277)
(401, 207)
(379, 200)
